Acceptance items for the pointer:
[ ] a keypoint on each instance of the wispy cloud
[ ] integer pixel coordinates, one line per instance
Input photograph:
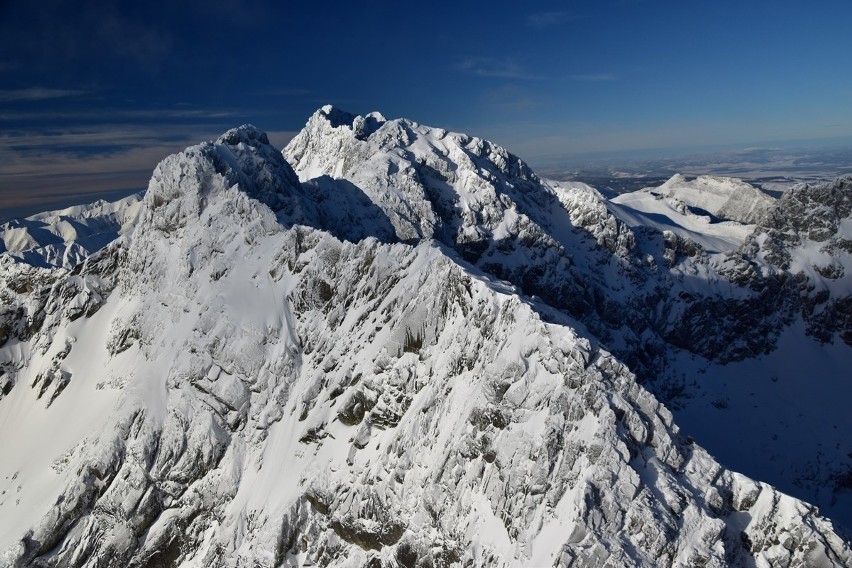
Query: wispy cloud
(37, 94)
(501, 68)
(104, 158)
(9, 66)
(127, 37)
(185, 113)
(541, 20)
(594, 77)
(22, 150)
(41, 166)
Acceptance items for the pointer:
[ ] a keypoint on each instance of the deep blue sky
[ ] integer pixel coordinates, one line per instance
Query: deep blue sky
(93, 94)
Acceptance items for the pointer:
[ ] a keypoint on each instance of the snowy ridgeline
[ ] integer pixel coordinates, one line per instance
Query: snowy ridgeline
(408, 350)
(66, 237)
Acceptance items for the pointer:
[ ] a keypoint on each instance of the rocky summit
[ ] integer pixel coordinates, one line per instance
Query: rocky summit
(391, 345)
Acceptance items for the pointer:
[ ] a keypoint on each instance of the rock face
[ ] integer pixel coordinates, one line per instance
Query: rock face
(809, 235)
(404, 359)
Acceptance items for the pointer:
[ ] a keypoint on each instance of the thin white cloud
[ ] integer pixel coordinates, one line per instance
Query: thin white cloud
(509, 99)
(37, 94)
(495, 67)
(594, 77)
(108, 114)
(541, 20)
(113, 157)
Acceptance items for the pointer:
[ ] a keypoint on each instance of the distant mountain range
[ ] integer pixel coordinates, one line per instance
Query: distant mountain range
(66, 237)
(773, 169)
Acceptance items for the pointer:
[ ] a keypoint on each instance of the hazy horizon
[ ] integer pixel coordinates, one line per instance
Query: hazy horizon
(750, 162)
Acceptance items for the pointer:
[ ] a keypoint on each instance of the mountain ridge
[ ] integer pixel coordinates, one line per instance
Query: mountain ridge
(294, 426)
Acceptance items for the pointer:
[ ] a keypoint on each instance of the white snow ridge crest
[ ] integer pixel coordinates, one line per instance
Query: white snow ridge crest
(351, 370)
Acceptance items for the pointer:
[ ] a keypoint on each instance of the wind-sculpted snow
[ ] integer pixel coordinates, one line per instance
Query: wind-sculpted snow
(247, 379)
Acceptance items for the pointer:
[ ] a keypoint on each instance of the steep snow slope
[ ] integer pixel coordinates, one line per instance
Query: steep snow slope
(473, 196)
(280, 396)
(67, 236)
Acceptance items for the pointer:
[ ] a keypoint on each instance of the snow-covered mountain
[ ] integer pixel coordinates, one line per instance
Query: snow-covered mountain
(404, 350)
(717, 300)
(65, 237)
(723, 198)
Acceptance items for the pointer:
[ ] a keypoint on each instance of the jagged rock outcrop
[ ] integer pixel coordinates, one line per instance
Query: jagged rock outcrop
(808, 235)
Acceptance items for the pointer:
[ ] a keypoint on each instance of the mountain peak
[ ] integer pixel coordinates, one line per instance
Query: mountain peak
(247, 134)
(334, 116)
(674, 180)
(184, 183)
(361, 125)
